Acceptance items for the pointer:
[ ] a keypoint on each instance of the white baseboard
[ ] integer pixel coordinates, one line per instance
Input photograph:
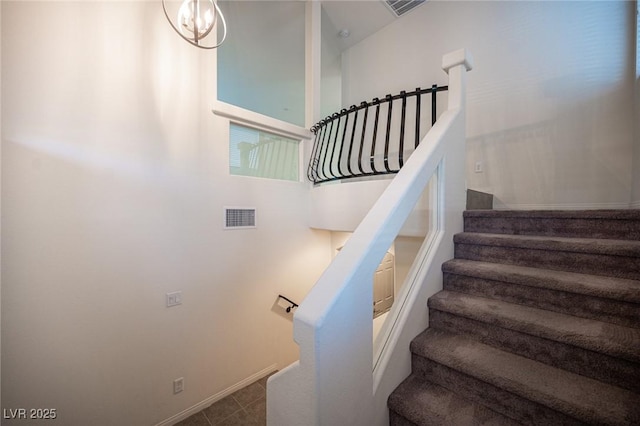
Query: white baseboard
(634, 205)
(568, 206)
(217, 397)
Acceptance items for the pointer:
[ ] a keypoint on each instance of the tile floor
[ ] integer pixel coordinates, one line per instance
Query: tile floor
(246, 407)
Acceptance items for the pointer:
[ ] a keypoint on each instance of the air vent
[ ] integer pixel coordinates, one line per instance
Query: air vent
(400, 7)
(239, 218)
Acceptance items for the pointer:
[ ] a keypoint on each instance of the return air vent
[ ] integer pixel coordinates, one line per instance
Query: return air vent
(400, 7)
(239, 218)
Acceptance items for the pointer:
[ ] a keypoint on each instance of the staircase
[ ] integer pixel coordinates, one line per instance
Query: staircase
(538, 323)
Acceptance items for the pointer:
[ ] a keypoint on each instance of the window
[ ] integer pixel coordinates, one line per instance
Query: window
(261, 65)
(258, 153)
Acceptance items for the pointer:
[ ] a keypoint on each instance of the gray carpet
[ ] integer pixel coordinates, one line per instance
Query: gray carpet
(538, 323)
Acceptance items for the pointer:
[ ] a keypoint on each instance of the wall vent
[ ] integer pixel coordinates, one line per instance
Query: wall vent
(239, 217)
(400, 7)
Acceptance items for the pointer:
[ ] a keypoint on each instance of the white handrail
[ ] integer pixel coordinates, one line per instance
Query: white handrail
(332, 384)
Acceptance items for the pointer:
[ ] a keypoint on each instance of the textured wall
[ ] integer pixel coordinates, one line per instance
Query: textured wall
(114, 178)
(550, 97)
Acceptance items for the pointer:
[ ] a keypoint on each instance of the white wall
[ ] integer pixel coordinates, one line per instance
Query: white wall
(331, 68)
(550, 99)
(262, 64)
(114, 178)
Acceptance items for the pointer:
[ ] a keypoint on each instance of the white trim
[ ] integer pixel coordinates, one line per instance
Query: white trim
(217, 397)
(568, 206)
(325, 389)
(398, 316)
(457, 57)
(634, 205)
(260, 121)
(313, 54)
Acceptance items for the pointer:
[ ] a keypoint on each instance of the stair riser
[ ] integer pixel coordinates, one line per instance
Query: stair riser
(578, 228)
(608, 310)
(586, 263)
(598, 366)
(499, 400)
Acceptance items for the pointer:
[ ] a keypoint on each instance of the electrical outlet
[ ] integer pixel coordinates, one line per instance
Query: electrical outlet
(174, 298)
(478, 168)
(178, 385)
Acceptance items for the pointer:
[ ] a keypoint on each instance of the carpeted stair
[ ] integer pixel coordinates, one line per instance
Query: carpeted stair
(538, 323)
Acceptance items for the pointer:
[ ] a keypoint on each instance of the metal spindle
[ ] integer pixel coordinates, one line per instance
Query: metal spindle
(376, 102)
(344, 132)
(417, 117)
(387, 136)
(312, 157)
(323, 145)
(402, 118)
(364, 129)
(334, 146)
(434, 90)
(353, 133)
(326, 148)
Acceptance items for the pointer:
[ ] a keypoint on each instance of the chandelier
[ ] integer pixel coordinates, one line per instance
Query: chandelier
(195, 22)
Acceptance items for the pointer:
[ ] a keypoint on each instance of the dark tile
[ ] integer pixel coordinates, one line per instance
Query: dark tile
(249, 394)
(240, 418)
(263, 381)
(197, 419)
(218, 411)
(258, 410)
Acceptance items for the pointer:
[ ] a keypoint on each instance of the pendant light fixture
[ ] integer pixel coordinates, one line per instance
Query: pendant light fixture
(195, 21)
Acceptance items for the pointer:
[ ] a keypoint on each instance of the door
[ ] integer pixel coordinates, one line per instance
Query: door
(383, 285)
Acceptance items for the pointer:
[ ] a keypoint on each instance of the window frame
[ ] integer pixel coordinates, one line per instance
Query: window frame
(260, 122)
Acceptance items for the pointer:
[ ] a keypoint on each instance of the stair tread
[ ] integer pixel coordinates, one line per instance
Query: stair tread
(611, 339)
(425, 403)
(577, 396)
(622, 289)
(569, 244)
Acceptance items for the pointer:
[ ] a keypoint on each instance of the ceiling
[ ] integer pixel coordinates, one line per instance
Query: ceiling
(361, 17)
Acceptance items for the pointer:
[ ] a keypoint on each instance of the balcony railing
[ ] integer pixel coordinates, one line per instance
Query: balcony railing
(347, 144)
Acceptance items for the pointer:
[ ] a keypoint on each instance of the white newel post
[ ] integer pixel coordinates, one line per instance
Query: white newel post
(332, 384)
(456, 64)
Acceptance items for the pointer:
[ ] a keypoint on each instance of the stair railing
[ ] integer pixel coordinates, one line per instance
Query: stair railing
(346, 144)
(334, 382)
(268, 157)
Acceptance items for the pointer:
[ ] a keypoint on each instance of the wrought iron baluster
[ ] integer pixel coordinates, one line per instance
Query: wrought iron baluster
(364, 129)
(417, 117)
(318, 162)
(434, 90)
(376, 102)
(333, 144)
(353, 133)
(334, 147)
(344, 132)
(312, 158)
(386, 139)
(327, 142)
(402, 118)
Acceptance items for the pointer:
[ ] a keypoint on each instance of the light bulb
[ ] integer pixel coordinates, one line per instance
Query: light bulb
(196, 18)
